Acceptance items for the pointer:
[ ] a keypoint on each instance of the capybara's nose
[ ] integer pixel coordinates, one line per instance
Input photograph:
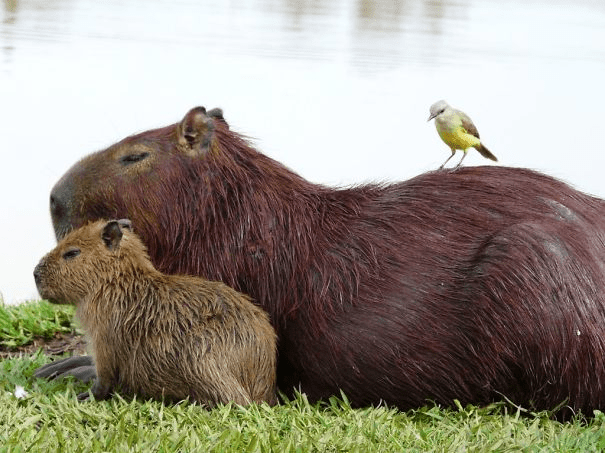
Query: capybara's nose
(59, 210)
(57, 207)
(38, 274)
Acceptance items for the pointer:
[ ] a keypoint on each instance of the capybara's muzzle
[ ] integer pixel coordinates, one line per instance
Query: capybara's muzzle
(38, 274)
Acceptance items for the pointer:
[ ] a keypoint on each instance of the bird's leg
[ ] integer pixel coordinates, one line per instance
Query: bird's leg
(446, 160)
(463, 156)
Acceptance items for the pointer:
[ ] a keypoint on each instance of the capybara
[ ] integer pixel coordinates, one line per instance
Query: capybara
(474, 284)
(154, 335)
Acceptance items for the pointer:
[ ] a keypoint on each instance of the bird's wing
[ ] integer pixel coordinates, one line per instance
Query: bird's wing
(468, 124)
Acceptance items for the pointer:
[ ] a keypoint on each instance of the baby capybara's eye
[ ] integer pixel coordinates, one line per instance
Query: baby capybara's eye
(71, 253)
(132, 158)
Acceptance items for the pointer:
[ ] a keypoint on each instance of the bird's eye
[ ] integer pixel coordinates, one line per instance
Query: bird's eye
(71, 253)
(132, 158)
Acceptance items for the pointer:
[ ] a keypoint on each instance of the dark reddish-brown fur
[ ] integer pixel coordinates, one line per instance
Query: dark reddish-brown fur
(471, 284)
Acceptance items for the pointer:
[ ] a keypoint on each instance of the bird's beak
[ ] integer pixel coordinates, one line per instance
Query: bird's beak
(431, 117)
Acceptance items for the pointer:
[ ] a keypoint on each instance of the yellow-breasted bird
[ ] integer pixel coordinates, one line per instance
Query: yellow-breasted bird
(457, 130)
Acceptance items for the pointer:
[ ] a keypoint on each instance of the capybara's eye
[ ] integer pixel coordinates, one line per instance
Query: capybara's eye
(71, 253)
(132, 158)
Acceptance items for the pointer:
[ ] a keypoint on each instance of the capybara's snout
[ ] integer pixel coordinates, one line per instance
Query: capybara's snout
(41, 279)
(59, 210)
(38, 271)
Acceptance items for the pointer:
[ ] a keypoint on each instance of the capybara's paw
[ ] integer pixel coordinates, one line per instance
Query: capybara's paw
(83, 373)
(80, 367)
(84, 396)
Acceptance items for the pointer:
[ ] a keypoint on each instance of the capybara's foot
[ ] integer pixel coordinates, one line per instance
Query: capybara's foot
(80, 367)
(100, 391)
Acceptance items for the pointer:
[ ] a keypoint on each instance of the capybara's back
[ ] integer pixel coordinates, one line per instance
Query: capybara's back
(155, 335)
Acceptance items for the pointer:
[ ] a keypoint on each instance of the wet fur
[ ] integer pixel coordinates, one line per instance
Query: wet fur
(469, 284)
(160, 336)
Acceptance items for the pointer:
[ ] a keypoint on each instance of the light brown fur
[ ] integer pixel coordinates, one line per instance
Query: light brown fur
(155, 335)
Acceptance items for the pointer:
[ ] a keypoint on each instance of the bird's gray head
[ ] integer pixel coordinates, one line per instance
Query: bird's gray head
(437, 108)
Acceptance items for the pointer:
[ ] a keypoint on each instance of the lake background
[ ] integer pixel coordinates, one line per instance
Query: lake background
(337, 90)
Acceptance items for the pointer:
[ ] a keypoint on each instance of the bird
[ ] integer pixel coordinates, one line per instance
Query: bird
(457, 130)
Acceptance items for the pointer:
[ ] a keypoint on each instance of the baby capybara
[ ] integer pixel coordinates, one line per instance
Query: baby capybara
(468, 284)
(154, 335)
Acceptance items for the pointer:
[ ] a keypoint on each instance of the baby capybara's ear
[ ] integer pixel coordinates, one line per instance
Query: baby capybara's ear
(112, 234)
(194, 132)
(125, 223)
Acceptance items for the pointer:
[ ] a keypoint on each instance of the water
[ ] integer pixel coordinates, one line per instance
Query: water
(337, 90)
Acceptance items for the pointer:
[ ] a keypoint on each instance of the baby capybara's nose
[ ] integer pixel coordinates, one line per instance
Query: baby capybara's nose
(38, 274)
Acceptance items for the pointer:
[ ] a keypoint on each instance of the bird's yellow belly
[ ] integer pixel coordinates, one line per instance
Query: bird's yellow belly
(458, 138)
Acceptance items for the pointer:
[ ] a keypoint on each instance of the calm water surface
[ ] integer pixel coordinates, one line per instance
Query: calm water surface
(337, 90)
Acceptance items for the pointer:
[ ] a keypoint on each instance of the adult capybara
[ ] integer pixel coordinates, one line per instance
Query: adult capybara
(471, 284)
(155, 335)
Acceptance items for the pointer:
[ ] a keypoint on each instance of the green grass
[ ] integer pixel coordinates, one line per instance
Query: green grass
(19, 324)
(51, 419)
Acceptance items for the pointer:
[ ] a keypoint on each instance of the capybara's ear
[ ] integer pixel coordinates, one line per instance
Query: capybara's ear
(125, 223)
(194, 132)
(112, 234)
(218, 114)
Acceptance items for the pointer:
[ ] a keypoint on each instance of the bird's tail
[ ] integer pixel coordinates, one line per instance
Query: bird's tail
(486, 152)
